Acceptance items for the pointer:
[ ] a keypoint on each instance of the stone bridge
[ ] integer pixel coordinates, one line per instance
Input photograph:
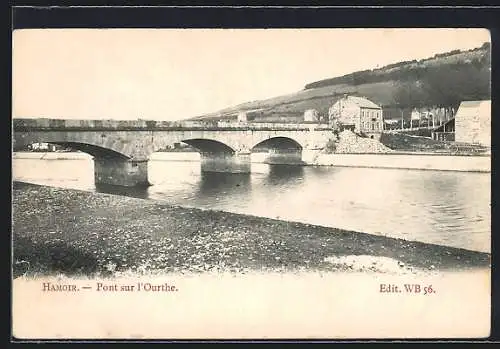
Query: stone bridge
(121, 149)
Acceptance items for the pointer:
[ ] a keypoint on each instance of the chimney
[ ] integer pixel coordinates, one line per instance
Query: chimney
(346, 95)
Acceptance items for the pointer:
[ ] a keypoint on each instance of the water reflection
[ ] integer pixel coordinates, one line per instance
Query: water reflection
(442, 183)
(223, 183)
(449, 208)
(136, 192)
(322, 171)
(279, 174)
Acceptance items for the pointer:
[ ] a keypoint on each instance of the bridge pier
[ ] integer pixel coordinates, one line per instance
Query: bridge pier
(284, 157)
(238, 162)
(127, 173)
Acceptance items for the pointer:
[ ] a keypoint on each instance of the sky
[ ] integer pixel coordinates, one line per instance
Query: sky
(173, 74)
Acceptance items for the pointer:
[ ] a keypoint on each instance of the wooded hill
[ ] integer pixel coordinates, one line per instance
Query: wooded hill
(443, 80)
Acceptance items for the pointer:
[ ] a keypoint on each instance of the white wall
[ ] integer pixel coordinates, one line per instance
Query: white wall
(407, 161)
(473, 123)
(346, 112)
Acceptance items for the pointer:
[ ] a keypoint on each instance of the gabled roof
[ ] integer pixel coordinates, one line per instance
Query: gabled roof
(363, 102)
(470, 104)
(473, 107)
(447, 123)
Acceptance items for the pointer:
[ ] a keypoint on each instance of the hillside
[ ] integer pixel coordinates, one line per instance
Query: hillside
(443, 80)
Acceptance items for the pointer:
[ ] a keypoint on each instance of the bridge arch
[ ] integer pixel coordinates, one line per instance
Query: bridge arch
(217, 156)
(210, 146)
(96, 147)
(279, 143)
(281, 150)
(94, 150)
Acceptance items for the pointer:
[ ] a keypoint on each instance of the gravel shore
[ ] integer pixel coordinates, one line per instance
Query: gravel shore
(83, 233)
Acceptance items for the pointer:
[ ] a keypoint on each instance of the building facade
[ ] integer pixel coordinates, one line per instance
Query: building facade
(311, 115)
(445, 132)
(473, 122)
(358, 114)
(242, 116)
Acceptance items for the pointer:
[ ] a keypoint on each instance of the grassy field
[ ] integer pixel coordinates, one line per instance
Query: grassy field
(318, 98)
(410, 143)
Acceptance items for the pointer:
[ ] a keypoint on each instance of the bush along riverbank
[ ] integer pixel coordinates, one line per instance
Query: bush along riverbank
(83, 233)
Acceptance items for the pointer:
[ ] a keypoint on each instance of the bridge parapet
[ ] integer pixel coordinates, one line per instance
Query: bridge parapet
(154, 125)
(44, 123)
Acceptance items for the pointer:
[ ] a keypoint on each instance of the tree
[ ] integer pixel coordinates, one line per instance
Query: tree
(449, 85)
(410, 94)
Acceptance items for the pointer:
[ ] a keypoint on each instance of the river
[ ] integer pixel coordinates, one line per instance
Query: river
(440, 207)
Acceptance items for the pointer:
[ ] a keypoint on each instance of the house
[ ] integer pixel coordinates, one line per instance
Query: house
(415, 115)
(445, 132)
(473, 122)
(242, 116)
(311, 115)
(357, 114)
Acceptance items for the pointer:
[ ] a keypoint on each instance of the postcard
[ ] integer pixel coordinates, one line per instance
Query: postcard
(251, 183)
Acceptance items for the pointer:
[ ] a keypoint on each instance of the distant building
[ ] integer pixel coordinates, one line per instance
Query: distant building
(242, 116)
(311, 115)
(473, 122)
(357, 114)
(445, 132)
(415, 115)
(246, 115)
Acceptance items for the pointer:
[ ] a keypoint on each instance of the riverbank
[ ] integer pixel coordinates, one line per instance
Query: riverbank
(399, 151)
(395, 160)
(408, 161)
(82, 233)
(51, 155)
